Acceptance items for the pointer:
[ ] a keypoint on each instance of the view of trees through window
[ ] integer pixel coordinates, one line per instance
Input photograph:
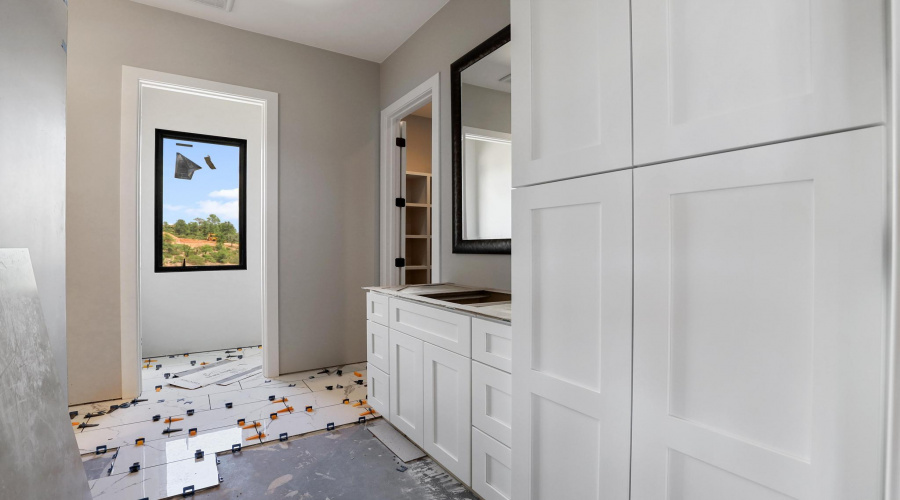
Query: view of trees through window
(199, 202)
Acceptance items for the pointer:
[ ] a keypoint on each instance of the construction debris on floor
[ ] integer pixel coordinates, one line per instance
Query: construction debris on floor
(345, 464)
(193, 406)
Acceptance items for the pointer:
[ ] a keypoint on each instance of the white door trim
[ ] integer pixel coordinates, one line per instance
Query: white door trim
(428, 91)
(134, 81)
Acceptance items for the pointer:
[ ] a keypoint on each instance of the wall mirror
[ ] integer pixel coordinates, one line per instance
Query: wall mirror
(482, 148)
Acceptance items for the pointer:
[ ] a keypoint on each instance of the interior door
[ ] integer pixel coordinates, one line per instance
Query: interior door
(571, 88)
(714, 75)
(759, 323)
(448, 410)
(406, 390)
(571, 420)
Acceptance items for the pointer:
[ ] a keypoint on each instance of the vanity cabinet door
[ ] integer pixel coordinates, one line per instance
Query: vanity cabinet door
(571, 88)
(759, 323)
(448, 410)
(571, 363)
(715, 75)
(406, 390)
(379, 391)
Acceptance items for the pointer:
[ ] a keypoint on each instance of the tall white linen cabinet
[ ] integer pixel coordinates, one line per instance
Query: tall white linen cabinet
(700, 249)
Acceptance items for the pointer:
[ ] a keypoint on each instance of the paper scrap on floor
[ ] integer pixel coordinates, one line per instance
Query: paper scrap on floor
(221, 372)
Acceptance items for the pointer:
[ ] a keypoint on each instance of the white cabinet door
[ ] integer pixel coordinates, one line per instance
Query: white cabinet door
(715, 75)
(492, 402)
(406, 390)
(491, 467)
(571, 95)
(759, 323)
(448, 408)
(379, 391)
(571, 422)
(377, 350)
(377, 308)
(434, 325)
(492, 343)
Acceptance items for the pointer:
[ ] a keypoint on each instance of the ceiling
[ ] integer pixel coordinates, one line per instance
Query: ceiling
(489, 70)
(368, 29)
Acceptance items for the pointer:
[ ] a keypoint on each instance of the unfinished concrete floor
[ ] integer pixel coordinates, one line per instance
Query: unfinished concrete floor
(348, 463)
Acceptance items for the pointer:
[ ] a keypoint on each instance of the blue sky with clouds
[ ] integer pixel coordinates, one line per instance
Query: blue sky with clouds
(210, 191)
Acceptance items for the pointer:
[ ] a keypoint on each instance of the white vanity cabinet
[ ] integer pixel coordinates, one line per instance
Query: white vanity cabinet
(423, 380)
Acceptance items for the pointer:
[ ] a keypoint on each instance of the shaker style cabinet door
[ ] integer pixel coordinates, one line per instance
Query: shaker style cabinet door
(571, 88)
(406, 390)
(571, 363)
(448, 410)
(759, 323)
(716, 75)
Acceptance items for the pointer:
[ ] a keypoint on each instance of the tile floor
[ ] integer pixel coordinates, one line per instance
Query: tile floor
(165, 463)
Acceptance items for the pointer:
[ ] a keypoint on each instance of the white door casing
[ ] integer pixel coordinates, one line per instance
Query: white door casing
(571, 370)
(571, 91)
(716, 75)
(759, 330)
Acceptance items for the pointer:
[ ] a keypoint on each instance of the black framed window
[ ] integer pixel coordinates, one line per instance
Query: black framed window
(201, 202)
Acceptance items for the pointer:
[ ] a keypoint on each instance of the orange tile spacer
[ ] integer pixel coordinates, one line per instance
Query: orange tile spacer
(360, 402)
(172, 419)
(75, 423)
(240, 349)
(203, 363)
(254, 425)
(151, 361)
(282, 400)
(185, 355)
(258, 436)
(358, 374)
(193, 432)
(288, 409)
(139, 442)
(369, 412)
(260, 346)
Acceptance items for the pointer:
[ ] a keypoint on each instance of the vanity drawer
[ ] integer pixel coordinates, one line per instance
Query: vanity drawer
(492, 402)
(492, 344)
(377, 347)
(446, 329)
(379, 391)
(377, 308)
(491, 467)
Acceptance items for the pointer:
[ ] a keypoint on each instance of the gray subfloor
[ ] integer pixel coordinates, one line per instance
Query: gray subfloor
(349, 463)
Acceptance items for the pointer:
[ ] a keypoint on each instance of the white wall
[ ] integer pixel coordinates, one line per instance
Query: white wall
(328, 178)
(203, 310)
(33, 151)
(456, 29)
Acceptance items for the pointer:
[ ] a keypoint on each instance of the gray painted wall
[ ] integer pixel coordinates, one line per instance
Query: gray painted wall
(454, 30)
(33, 151)
(486, 108)
(329, 112)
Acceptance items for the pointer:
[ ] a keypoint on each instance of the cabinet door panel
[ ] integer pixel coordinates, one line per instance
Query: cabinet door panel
(433, 325)
(572, 88)
(406, 390)
(715, 75)
(759, 333)
(377, 349)
(448, 409)
(572, 339)
(491, 467)
(492, 402)
(492, 343)
(377, 308)
(379, 391)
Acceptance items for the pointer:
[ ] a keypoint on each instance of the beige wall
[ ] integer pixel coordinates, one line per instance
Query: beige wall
(329, 108)
(454, 30)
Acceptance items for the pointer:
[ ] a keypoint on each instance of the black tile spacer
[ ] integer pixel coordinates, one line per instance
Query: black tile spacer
(156, 418)
(192, 431)
(346, 401)
(218, 359)
(282, 436)
(329, 387)
(240, 356)
(158, 367)
(100, 450)
(193, 362)
(139, 441)
(241, 421)
(339, 386)
(190, 412)
(158, 388)
(361, 420)
(72, 414)
(272, 398)
(198, 454)
(329, 426)
(236, 448)
(187, 491)
(167, 375)
(359, 382)
(228, 405)
(292, 385)
(273, 416)
(309, 408)
(135, 467)
(340, 372)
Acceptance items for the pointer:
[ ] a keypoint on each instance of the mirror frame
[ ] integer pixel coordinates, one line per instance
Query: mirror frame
(461, 245)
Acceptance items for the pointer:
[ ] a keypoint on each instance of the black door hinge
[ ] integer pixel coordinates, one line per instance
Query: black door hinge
(401, 142)
(400, 202)
(399, 262)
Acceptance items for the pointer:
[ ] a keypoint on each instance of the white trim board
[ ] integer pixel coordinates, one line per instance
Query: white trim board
(134, 81)
(389, 247)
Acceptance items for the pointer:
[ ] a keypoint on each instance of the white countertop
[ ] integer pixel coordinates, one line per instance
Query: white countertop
(500, 310)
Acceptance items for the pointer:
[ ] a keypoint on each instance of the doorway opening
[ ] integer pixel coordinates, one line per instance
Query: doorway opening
(410, 187)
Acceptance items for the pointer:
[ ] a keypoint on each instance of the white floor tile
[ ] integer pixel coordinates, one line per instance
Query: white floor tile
(240, 397)
(161, 452)
(162, 481)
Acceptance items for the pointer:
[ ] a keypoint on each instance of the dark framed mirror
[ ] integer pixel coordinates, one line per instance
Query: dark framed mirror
(482, 147)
